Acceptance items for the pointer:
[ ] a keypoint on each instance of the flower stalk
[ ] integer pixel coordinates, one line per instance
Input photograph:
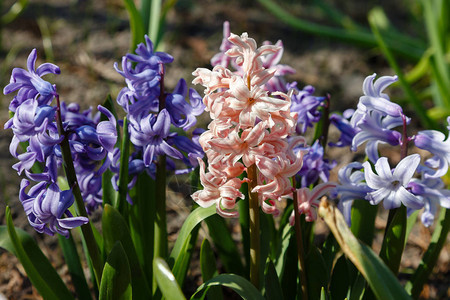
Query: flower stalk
(254, 227)
(88, 234)
(161, 247)
(299, 238)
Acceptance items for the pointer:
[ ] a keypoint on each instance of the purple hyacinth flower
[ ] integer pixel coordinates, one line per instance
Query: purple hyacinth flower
(146, 58)
(391, 186)
(150, 133)
(375, 99)
(46, 207)
(374, 129)
(305, 105)
(434, 142)
(433, 193)
(107, 130)
(352, 187)
(342, 123)
(30, 84)
(183, 114)
(315, 166)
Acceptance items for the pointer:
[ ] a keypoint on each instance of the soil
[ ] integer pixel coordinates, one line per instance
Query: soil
(85, 38)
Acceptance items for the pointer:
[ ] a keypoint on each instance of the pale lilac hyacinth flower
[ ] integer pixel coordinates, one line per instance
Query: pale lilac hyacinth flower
(433, 193)
(434, 142)
(391, 186)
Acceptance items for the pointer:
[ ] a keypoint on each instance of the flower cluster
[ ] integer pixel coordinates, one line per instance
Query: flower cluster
(151, 112)
(35, 129)
(250, 127)
(374, 122)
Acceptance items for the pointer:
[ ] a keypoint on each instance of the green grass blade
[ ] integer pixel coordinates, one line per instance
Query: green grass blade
(209, 269)
(438, 45)
(115, 229)
(353, 36)
(136, 24)
(116, 277)
(235, 282)
(438, 239)
(72, 259)
(33, 261)
(166, 281)
(382, 281)
(379, 26)
(16, 9)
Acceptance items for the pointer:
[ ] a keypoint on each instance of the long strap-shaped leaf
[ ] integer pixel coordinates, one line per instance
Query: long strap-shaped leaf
(383, 283)
(116, 229)
(33, 261)
(116, 277)
(166, 281)
(235, 282)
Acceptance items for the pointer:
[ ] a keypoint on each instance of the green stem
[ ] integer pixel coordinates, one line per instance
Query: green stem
(94, 252)
(161, 247)
(254, 227)
(300, 250)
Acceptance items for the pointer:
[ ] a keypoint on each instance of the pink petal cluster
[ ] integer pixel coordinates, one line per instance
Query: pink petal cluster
(250, 126)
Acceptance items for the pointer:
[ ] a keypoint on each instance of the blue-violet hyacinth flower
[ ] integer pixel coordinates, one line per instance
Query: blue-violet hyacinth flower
(389, 185)
(46, 207)
(30, 84)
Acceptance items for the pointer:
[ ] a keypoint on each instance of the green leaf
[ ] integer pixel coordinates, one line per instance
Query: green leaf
(226, 248)
(316, 273)
(166, 281)
(141, 219)
(33, 261)
(193, 220)
(116, 229)
(394, 239)
(181, 265)
(72, 259)
(438, 240)
(235, 282)
(209, 269)
(329, 251)
(271, 282)
(116, 277)
(340, 281)
(136, 24)
(363, 220)
(287, 263)
(384, 284)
